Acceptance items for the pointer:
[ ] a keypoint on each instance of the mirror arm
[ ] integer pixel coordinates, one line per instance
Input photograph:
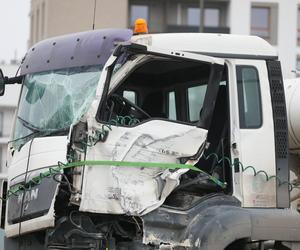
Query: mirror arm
(13, 80)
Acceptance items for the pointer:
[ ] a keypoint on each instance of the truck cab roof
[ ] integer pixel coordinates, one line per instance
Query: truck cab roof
(92, 47)
(219, 45)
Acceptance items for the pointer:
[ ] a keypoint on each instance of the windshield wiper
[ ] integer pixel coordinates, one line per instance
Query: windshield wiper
(43, 133)
(37, 132)
(29, 125)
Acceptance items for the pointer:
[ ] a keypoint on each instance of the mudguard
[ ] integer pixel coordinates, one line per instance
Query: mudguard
(216, 221)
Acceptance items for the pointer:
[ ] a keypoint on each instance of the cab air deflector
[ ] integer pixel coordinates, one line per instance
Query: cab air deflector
(75, 50)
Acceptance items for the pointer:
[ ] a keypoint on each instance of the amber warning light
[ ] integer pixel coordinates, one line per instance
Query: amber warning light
(140, 26)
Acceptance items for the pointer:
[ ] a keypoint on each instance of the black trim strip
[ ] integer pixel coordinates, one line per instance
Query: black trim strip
(215, 77)
(280, 133)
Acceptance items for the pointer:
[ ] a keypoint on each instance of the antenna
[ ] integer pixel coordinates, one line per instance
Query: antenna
(95, 7)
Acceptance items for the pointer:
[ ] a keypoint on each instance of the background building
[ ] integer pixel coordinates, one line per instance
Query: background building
(8, 104)
(277, 21)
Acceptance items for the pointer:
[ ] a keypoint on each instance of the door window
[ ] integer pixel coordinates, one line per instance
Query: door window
(249, 97)
(172, 106)
(130, 95)
(195, 100)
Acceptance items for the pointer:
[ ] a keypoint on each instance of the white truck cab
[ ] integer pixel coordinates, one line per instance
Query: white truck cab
(156, 141)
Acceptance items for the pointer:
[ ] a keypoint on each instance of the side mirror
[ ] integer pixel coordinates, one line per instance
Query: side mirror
(2, 83)
(5, 80)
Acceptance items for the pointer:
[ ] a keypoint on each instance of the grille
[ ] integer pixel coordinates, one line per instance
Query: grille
(279, 109)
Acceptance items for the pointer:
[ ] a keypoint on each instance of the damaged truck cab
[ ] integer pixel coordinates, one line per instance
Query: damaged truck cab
(165, 141)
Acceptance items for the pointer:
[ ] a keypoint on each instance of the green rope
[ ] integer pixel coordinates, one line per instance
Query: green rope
(243, 168)
(61, 166)
(101, 135)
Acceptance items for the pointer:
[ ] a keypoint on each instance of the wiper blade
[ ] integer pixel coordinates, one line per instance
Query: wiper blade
(39, 133)
(55, 131)
(45, 132)
(29, 125)
(24, 137)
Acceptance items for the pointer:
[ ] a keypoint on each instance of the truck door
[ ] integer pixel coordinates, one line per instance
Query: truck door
(155, 138)
(253, 134)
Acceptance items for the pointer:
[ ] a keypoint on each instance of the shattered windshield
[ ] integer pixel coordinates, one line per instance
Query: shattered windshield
(51, 101)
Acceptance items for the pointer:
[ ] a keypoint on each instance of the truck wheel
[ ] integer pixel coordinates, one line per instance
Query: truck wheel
(279, 246)
(239, 245)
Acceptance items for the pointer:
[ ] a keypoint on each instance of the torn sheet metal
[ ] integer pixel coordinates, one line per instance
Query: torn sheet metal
(137, 190)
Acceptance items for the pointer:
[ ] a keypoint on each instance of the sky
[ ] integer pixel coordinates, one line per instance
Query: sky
(14, 28)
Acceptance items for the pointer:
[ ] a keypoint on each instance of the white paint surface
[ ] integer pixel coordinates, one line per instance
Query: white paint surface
(209, 43)
(137, 190)
(45, 152)
(257, 148)
(292, 93)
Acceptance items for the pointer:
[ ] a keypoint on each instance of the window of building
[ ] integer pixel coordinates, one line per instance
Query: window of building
(264, 22)
(260, 22)
(1, 123)
(195, 99)
(172, 106)
(211, 17)
(138, 11)
(249, 97)
(193, 16)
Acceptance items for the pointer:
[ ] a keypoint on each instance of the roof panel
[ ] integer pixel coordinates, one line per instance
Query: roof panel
(205, 43)
(74, 50)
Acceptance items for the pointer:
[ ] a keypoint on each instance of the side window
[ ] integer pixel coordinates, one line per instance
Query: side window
(1, 123)
(172, 106)
(195, 97)
(249, 97)
(130, 96)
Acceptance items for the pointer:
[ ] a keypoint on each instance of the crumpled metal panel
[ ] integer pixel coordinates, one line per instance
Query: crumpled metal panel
(137, 190)
(74, 50)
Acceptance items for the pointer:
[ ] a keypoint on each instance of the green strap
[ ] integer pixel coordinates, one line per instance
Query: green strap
(134, 164)
(57, 169)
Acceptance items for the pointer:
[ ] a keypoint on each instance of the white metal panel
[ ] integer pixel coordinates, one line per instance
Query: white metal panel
(257, 148)
(234, 127)
(185, 55)
(137, 190)
(36, 224)
(45, 151)
(209, 43)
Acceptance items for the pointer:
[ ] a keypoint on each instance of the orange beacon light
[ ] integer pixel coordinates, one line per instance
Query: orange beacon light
(140, 26)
